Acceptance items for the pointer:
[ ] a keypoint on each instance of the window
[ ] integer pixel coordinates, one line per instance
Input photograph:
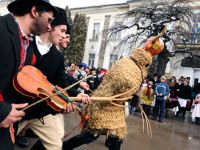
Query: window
(95, 31)
(196, 80)
(113, 59)
(91, 60)
(117, 35)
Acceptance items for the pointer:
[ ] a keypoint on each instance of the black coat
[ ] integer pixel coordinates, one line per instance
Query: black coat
(185, 92)
(9, 64)
(52, 66)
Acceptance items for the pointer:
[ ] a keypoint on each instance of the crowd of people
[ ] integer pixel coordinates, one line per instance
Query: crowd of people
(159, 95)
(82, 71)
(34, 36)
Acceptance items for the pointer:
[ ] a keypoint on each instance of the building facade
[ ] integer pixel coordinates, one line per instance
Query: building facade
(100, 53)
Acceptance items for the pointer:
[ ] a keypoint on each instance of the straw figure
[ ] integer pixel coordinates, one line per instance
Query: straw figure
(125, 77)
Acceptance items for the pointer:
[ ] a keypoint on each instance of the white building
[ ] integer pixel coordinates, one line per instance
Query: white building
(99, 52)
(3, 7)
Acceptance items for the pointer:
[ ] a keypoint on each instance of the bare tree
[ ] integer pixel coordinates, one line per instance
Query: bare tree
(149, 19)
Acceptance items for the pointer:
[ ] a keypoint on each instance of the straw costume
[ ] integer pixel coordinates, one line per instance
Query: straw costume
(125, 75)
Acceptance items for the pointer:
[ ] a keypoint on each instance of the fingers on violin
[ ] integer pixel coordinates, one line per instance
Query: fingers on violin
(18, 118)
(69, 108)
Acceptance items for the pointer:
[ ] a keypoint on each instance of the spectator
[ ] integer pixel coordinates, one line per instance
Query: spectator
(184, 97)
(196, 110)
(155, 79)
(172, 102)
(161, 91)
(147, 97)
(80, 73)
(144, 84)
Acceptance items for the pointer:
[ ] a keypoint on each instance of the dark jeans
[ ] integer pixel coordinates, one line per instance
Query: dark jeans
(113, 143)
(86, 137)
(183, 110)
(5, 139)
(159, 105)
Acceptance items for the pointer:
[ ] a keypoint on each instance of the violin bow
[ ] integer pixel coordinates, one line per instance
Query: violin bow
(56, 93)
(106, 99)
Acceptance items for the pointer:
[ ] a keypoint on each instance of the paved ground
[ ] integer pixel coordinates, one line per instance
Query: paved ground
(172, 134)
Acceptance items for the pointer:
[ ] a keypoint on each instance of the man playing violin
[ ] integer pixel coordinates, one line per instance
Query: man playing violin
(50, 62)
(15, 30)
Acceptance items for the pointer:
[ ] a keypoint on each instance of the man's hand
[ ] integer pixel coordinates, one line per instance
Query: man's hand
(14, 115)
(84, 98)
(69, 108)
(84, 86)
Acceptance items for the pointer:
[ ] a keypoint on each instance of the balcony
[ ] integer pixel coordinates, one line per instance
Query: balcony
(192, 40)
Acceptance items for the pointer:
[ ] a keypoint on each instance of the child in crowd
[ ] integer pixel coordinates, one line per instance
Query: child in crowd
(147, 97)
(161, 91)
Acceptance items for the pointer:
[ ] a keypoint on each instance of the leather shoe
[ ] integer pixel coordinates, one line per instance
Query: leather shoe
(21, 141)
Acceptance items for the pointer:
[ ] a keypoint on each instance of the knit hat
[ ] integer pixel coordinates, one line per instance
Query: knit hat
(60, 18)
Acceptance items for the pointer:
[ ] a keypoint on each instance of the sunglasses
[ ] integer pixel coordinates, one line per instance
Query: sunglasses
(50, 19)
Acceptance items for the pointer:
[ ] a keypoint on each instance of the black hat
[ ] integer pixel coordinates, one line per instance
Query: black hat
(60, 18)
(69, 29)
(18, 3)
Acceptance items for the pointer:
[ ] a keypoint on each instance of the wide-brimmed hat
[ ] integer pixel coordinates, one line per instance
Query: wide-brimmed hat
(17, 4)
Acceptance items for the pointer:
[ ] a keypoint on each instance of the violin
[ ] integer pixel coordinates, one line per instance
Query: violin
(31, 82)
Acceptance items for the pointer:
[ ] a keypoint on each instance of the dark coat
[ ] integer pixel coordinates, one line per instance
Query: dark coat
(185, 92)
(9, 64)
(52, 66)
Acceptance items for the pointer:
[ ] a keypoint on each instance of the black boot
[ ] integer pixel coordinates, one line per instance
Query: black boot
(83, 138)
(21, 141)
(108, 142)
(38, 146)
(115, 143)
